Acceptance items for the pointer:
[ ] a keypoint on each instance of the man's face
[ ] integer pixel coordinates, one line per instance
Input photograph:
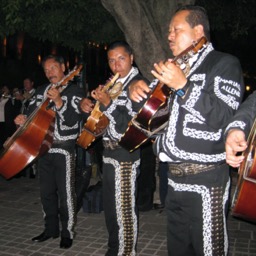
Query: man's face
(181, 35)
(54, 71)
(120, 61)
(28, 85)
(5, 90)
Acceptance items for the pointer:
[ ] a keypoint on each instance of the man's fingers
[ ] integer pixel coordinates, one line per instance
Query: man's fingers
(234, 161)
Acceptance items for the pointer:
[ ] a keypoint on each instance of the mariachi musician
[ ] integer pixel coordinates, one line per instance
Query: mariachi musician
(206, 95)
(120, 168)
(238, 130)
(56, 168)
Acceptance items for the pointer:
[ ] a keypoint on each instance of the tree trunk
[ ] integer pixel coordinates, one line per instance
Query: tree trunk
(145, 26)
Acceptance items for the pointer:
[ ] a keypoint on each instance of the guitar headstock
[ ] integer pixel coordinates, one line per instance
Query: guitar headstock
(74, 72)
(182, 60)
(111, 81)
(185, 55)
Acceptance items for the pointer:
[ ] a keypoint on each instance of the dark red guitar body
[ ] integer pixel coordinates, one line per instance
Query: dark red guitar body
(153, 116)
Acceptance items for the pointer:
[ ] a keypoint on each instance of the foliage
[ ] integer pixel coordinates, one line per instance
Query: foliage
(73, 23)
(66, 22)
(234, 16)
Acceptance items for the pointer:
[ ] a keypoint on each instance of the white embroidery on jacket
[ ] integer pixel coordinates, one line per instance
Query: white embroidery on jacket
(220, 83)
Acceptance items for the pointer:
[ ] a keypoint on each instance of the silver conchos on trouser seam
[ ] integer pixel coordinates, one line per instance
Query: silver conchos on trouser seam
(212, 213)
(125, 179)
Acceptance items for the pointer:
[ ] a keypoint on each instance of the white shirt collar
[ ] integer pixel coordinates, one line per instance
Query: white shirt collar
(123, 79)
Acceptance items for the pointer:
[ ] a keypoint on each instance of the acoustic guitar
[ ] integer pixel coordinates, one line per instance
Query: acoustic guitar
(32, 139)
(244, 198)
(153, 116)
(97, 122)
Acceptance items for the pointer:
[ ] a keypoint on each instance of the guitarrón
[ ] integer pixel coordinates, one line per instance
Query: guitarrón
(32, 139)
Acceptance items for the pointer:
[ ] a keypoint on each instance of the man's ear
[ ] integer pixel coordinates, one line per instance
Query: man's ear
(199, 31)
(63, 67)
(132, 58)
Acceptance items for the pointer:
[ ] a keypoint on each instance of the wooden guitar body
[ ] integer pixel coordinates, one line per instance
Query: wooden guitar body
(33, 139)
(244, 201)
(153, 116)
(97, 122)
(244, 198)
(93, 128)
(22, 148)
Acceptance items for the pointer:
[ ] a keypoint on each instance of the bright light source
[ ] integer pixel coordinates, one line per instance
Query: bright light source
(247, 87)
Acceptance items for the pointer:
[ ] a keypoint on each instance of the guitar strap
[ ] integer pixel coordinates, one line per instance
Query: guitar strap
(148, 133)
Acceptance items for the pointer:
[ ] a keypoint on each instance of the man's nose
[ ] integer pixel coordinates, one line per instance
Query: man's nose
(171, 35)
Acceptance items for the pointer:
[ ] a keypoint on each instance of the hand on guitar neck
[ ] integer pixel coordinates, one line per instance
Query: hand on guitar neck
(170, 74)
(87, 105)
(101, 95)
(20, 120)
(54, 95)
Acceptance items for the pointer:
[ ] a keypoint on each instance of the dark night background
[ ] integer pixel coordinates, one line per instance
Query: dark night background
(20, 53)
(16, 65)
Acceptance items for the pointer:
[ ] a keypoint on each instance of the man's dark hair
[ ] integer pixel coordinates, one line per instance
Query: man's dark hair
(197, 16)
(123, 44)
(29, 78)
(56, 58)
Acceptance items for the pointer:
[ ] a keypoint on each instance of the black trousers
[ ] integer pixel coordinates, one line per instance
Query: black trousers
(146, 180)
(196, 211)
(120, 170)
(57, 190)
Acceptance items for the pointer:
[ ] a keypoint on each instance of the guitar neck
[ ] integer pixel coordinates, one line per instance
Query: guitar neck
(110, 83)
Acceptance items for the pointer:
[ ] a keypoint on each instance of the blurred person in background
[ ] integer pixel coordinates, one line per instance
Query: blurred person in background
(28, 93)
(25, 96)
(9, 109)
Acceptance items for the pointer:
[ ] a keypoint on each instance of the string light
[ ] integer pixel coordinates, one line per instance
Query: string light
(39, 59)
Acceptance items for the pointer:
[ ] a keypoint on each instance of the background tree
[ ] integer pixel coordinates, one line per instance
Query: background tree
(65, 22)
(143, 23)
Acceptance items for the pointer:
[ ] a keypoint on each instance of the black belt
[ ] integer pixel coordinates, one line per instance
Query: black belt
(184, 169)
(62, 142)
(110, 144)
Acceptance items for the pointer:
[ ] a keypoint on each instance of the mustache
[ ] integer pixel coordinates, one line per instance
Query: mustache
(51, 77)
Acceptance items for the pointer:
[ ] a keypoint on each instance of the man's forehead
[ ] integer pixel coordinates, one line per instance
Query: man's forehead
(51, 63)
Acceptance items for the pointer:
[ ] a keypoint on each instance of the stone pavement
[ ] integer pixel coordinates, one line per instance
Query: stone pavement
(21, 219)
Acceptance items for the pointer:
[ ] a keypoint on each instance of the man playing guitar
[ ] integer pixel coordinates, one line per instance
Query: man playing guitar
(120, 168)
(204, 99)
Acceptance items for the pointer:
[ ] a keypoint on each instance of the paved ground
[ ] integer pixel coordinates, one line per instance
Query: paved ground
(21, 219)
